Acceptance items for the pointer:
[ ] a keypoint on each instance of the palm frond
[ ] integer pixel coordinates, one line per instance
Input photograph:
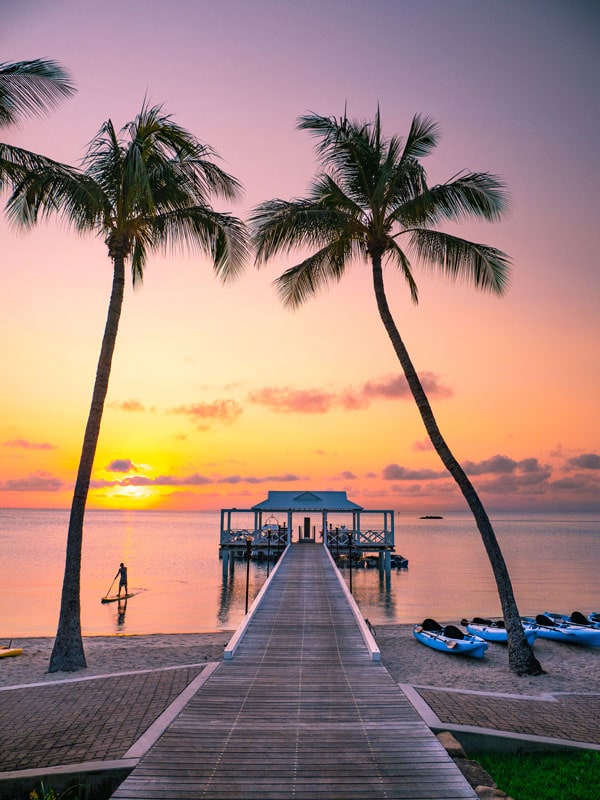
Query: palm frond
(143, 188)
(55, 188)
(397, 255)
(476, 194)
(482, 266)
(422, 138)
(221, 236)
(139, 256)
(325, 192)
(329, 130)
(103, 161)
(408, 202)
(16, 163)
(303, 281)
(162, 140)
(371, 190)
(280, 226)
(29, 88)
(351, 150)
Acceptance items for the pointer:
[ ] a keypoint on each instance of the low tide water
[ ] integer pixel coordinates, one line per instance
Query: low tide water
(179, 585)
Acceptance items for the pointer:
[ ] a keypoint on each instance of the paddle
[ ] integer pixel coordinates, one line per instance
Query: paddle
(109, 588)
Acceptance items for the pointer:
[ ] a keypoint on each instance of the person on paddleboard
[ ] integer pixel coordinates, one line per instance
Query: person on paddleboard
(122, 573)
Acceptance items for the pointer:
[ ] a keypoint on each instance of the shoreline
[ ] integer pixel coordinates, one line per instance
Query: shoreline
(569, 668)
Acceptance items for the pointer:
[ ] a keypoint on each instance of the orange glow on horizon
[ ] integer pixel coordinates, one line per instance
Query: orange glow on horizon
(217, 393)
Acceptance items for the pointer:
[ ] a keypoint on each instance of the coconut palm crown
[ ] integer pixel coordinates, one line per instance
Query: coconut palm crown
(28, 88)
(372, 203)
(143, 189)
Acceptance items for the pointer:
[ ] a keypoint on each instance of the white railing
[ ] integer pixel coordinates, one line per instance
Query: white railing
(258, 538)
(361, 539)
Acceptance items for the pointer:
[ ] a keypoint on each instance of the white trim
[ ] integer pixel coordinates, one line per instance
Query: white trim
(69, 769)
(102, 676)
(374, 651)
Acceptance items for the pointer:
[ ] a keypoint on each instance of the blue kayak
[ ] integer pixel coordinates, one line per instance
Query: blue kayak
(576, 618)
(567, 632)
(449, 639)
(494, 630)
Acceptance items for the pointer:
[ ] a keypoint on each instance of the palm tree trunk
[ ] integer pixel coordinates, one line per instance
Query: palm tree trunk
(520, 655)
(67, 653)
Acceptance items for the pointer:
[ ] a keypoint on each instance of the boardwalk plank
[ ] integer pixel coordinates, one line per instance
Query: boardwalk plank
(300, 712)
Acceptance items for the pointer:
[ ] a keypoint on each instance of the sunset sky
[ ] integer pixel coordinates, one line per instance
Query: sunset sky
(218, 394)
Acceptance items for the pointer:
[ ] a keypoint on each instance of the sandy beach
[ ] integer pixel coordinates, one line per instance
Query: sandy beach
(569, 668)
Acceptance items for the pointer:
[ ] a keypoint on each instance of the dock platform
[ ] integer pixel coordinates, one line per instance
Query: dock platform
(301, 711)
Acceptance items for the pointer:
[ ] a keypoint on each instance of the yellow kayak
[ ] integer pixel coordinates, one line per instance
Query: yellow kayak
(5, 652)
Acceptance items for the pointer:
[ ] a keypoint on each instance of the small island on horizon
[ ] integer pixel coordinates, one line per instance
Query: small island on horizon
(431, 516)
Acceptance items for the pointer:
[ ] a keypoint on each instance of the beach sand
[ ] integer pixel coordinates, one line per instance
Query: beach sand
(569, 668)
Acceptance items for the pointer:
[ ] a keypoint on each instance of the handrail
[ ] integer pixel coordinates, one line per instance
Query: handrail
(237, 637)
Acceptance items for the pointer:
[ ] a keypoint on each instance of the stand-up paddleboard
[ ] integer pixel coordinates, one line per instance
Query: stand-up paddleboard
(5, 652)
(115, 597)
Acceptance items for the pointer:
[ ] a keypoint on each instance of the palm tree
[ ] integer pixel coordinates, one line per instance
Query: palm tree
(371, 195)
(142, 189)
(27, 88)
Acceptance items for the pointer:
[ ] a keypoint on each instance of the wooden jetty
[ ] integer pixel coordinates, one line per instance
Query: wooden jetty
(301, 710)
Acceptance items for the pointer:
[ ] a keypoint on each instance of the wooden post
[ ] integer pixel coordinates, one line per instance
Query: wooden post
(248, 557)
(350, 557)
(225, 554)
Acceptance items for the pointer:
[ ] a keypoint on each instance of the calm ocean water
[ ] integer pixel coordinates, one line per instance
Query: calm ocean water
(174, 566)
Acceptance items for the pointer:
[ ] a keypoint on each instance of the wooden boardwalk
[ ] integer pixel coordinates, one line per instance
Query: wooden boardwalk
(300, 712)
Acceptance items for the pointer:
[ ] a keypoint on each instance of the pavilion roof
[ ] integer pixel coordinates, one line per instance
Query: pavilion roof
(307, 501)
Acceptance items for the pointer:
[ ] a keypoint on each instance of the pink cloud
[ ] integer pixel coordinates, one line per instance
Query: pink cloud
(160, 480)
(346, 475)
(36, 482)
(25, 444)
(300, 401)
(585, 461)
(394, 472)
(422, 446)
(500, 464)
(226, 411)
(316, 401)
(535, 483)
(396, 387)
(253, 479)
(195, 480)
(128, 405)
(121, 465)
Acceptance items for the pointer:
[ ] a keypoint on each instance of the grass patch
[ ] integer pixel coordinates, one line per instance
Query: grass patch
(545, 776)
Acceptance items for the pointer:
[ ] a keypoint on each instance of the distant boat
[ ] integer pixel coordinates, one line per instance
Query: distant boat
(431, 516)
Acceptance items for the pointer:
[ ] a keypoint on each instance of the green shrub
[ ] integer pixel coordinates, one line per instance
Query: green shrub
(560, 775)
(49, 793)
